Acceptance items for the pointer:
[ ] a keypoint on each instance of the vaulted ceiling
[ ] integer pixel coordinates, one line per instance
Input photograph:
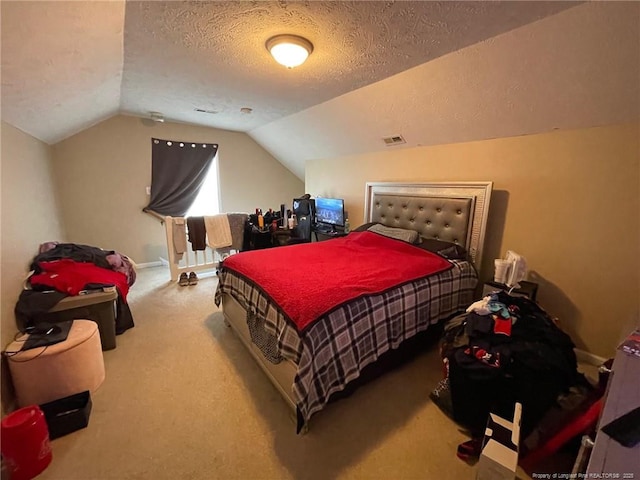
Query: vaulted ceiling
(69, 65)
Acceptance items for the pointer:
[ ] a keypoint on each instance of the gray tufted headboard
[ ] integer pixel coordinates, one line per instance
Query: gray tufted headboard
(452, 211)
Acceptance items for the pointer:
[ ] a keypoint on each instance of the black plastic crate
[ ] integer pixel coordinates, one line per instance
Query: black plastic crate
(67, 414)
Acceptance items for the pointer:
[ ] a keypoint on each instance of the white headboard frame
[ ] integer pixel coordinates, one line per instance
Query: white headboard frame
(403, 207)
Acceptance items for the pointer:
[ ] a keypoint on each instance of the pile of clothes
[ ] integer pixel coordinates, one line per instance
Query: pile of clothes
(506, 349)
(63, 269)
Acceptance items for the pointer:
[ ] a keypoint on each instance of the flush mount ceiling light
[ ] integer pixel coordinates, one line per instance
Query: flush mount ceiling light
(289, 50)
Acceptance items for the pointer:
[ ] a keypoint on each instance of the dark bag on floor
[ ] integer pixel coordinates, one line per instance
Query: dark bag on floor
(45, 334)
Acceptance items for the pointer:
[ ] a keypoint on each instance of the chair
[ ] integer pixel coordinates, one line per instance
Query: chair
(303, 208)
(301, 233)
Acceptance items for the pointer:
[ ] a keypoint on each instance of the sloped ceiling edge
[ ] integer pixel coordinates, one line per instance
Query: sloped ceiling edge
(577, 69)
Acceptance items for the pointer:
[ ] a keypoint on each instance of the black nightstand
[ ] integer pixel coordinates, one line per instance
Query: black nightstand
(321, 236)
(527, 289)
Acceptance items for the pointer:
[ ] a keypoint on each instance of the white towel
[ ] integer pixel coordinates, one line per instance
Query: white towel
(218, 230)
(179, 236)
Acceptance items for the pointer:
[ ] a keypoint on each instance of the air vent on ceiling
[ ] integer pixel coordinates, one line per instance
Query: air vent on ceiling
(201, 110)
(394, 140)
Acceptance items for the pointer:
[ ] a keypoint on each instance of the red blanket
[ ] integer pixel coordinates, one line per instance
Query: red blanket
(308, 280)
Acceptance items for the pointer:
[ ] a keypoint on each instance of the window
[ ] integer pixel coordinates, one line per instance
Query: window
(208, 200)
(178, 171)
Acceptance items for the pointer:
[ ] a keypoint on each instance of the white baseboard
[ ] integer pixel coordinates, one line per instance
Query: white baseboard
(149, 264)
(589, 358)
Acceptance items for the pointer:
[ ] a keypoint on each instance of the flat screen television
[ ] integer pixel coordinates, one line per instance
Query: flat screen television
(330, 212)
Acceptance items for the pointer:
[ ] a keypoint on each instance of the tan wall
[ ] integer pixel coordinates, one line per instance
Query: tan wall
(30, 216)
(102, 173)
(568, 201)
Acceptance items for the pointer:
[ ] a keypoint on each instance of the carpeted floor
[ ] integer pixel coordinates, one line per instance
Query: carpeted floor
(182, 399)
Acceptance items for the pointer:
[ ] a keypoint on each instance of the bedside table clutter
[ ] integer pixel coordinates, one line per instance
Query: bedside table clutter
(506, 349)
(527, 289)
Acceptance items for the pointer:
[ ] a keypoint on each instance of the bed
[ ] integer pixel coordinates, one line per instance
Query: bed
(314, 357)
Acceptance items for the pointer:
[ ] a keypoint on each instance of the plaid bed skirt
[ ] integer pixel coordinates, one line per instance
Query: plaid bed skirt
(332, 352)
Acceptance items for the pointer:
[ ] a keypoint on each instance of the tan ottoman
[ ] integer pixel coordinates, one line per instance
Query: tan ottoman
(43, 374)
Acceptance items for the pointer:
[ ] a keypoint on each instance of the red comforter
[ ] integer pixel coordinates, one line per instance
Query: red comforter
(308, 280)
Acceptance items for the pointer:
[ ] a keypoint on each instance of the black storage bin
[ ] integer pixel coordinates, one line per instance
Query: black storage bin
(98, 306)
(67, 414)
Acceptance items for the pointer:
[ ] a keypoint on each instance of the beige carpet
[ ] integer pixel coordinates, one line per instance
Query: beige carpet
(182, 399)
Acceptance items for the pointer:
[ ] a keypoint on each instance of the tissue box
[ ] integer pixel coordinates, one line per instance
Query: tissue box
(499, 455)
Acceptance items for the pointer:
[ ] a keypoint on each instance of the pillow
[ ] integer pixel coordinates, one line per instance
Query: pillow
(364, 227)
(409, 236)
(448, 250)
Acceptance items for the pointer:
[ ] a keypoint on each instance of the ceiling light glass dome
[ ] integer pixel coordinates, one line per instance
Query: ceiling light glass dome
(289, 50)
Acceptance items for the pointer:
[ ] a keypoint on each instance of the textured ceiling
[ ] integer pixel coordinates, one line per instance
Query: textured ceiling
(61, 65)
(434, 72)
(211, 55)
(577, 69)
(69, 65)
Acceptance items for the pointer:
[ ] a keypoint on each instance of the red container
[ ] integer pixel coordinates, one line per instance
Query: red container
(25, 442)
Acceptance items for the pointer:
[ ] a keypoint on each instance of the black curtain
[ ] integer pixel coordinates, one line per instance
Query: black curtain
(178, 170)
